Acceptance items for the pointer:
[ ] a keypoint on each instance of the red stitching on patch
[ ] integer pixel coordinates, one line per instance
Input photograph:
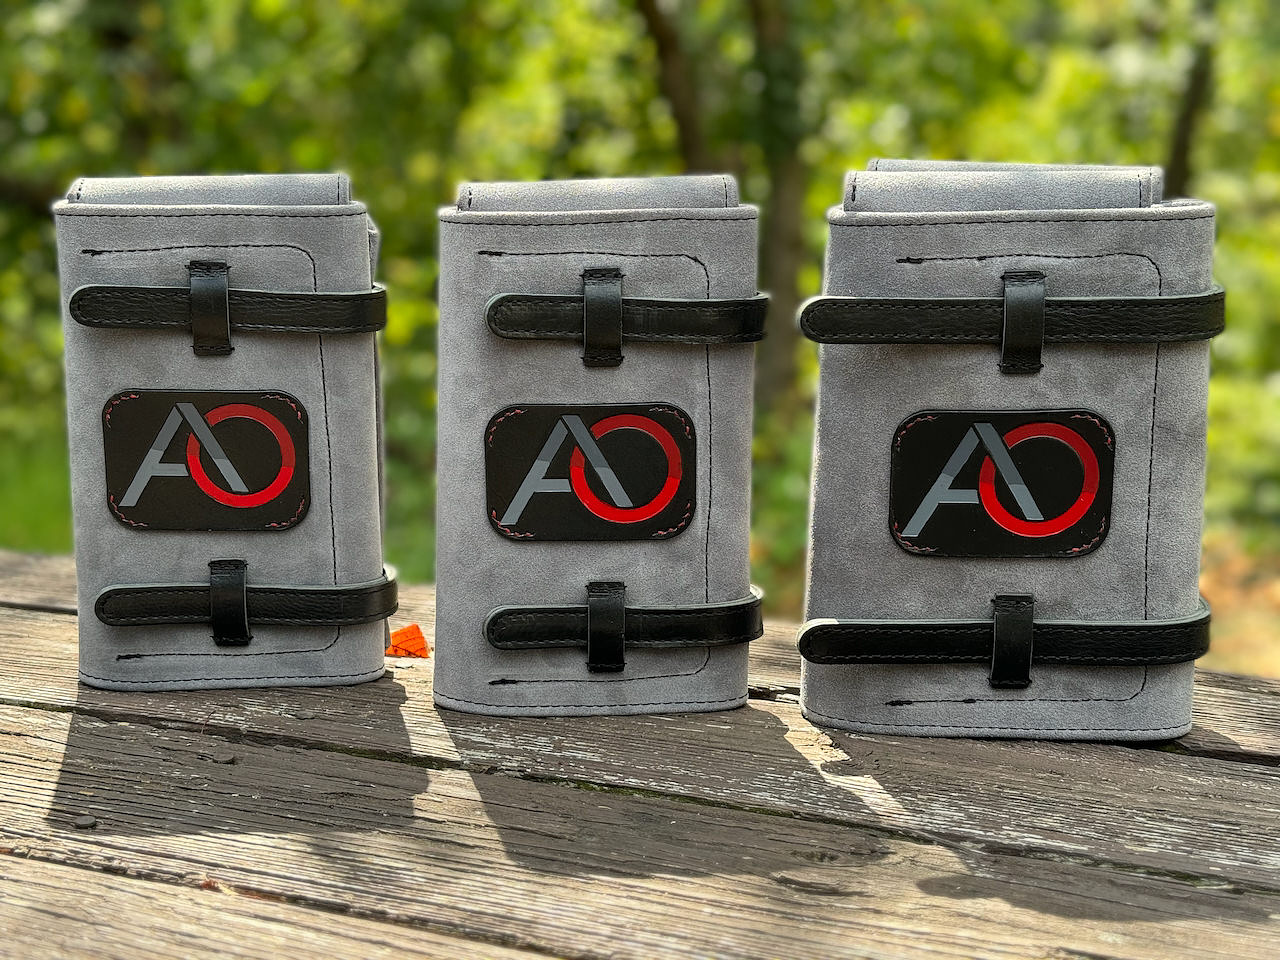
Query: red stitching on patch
(289, 400)
(1101, 425)
(283, 524)
(106, 414)
(507, 530)
(680, 524)
(688, 428)
(111, 499)
(514, 412)
(897, 440)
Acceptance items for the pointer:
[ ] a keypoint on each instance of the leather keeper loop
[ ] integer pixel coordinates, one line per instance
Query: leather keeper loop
(606, 626)
(1022, 340)
(229, 603)
(210, 311)
(601, 317)
(1011, 641)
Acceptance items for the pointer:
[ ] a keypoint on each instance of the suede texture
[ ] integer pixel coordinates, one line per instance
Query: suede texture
(270, 244)
(1052, 189)
(699, 251)
(1154, 396)
(627, 193)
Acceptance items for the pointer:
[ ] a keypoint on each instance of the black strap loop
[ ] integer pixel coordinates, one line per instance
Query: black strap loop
(1011, 641)
(1022, 338)
(953, 320)
(547, 316)
(606, 626)
(1138, 642)
(602, 317)
(156, 604)
(695, 625)
(151, 308)
(229, 603)
(209, 311)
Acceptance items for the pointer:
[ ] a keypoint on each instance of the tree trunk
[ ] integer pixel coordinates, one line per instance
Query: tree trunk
(781, 130)
(1195, 97)
(678, 82)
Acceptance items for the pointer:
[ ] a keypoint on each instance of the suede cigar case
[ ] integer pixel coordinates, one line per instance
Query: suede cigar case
(222, 405)
(1009, 455)
(595, 353)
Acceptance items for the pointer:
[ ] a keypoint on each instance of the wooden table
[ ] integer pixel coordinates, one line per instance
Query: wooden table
(362, 822)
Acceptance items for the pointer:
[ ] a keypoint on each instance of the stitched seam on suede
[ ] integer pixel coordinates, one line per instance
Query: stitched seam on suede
(1133, 696)
(592, 253)
(591, 223)
(215, 246)
(969, 726)
(286, 676)
(968, 223)
(156, 216)
(650, 703)
(706, 556)
(1151, 462)
(516, 681)
(1043, 256)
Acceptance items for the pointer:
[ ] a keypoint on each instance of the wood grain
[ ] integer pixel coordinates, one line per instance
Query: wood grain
(1148, 809)
(50, 909)
(569, 871)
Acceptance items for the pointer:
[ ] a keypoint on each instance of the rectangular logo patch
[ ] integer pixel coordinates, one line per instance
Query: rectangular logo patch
(995, 483)
(609, 472)
(180, 460)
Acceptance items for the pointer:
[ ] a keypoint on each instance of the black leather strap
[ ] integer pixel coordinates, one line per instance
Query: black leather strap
(1197, 316)
(541, 316)
(602, 317)
(155, 604)
(700, 625)
(1011, 642)
(207, 309)
(229, 603)
(606, 626)
(1022, 336)
(148, 308)
(970, 641)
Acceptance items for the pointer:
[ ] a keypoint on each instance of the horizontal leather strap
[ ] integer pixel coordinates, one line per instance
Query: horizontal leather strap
(343, 605)
(1140, 642)
(698, 625)
(145, 308)
(1198, 316)
(546, 316)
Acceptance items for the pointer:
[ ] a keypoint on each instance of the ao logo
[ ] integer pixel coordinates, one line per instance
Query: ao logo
(236, 493)
(587, 450)
(1032, 523)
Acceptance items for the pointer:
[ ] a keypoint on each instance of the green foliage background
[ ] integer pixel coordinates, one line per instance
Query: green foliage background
(413, 97)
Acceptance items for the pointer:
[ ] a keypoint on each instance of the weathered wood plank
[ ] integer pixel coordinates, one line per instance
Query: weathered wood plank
(571, 871)
(1148, 809)
(37, 582)
(1237, 718)
(51, 910)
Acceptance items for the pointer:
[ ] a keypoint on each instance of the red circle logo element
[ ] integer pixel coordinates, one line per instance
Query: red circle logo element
(606, 511)
(1052, 525)
(243, 411)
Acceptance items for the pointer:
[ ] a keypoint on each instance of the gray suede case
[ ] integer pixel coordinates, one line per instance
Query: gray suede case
(677, 237)
(276, 234)
(909, 229)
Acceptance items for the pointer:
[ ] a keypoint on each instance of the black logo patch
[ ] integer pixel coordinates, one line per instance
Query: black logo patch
(613, 472)
(989, 483)
(206, 461)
